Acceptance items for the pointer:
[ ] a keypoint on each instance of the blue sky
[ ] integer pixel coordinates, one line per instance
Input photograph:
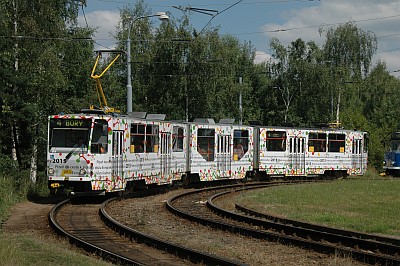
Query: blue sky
(259, 20)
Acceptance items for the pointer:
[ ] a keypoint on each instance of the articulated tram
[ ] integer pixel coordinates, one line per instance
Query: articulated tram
(98, 153)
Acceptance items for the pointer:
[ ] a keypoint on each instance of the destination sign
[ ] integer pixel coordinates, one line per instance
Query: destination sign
(71, 123)
(276, 134)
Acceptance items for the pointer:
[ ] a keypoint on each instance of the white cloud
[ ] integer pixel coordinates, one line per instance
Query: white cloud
(261, 57)
(381, 17)
(105, 23)
(392, 60)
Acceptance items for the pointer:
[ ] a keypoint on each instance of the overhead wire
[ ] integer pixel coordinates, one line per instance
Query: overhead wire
(315, 26)
(208, 23)
(257, 32)
(215, 4)
(220, 12)
(84, 15)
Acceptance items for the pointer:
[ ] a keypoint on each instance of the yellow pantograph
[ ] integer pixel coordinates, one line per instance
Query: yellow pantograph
(100, 93)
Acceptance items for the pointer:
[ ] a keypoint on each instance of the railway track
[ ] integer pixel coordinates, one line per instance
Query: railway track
(199, 206)
(88, 226)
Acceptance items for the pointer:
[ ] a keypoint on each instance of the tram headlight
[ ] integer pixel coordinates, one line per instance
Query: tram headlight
(82, 171)
(51, 171)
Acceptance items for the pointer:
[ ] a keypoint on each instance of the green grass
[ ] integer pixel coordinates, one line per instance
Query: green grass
(28, 248)
(17, 249)
(361, 204)
(370, 204)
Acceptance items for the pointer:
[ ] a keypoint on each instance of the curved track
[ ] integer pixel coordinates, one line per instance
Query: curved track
(82, 224)
(198, 206)
(83, 227)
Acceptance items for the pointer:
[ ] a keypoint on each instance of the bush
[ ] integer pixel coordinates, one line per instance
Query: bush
(7, 196)
(7, 165)
(16, 186)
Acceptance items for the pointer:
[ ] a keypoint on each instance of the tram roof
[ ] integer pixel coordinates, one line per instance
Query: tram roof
(225, 121)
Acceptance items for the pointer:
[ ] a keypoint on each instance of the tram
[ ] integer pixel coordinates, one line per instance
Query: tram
(391, 162)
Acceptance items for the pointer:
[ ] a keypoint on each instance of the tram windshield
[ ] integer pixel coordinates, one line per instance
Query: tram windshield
(395, 141)
(395, 145)
(67, 134)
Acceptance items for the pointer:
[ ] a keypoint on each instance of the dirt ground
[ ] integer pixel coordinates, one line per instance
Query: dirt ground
(29, 217)
(33, 217)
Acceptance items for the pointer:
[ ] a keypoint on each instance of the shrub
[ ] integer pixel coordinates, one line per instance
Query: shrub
(16, 186)
(7, 165)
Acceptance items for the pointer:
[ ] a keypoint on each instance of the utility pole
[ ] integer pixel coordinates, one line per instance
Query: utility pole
(128, 62)
(161, 16)
(240, 102)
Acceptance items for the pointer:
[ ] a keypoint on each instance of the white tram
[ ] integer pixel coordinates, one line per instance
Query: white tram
(116, 151)
(98, 152)
(219, 151)
(311, 151)
(109, 153)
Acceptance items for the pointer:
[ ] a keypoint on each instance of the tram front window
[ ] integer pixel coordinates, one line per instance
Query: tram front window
(67, 134)
(395, 145)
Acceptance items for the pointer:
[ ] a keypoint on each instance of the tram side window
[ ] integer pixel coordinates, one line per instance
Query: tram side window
(317, 142)
(144, 138)
(151, 139)
(276, 141)
(355, 149)
(137, 138)
(99, 137)
(336, 142)
(177, 138)
(240, 143)
(205, 143)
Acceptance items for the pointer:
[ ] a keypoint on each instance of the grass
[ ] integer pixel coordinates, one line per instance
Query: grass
(369, 205)
(30, 248)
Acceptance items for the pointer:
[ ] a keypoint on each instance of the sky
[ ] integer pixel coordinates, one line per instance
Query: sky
(257, 21)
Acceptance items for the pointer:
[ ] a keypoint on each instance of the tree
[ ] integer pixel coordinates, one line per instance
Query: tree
(191, 75)
(296, 72)
(349, 51)
(38, 66)
(350, 47)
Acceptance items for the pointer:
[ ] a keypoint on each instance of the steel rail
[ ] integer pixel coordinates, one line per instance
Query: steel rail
(278, 237)
(317, 227)
(183, 252)
(360, 248)
(105, 254)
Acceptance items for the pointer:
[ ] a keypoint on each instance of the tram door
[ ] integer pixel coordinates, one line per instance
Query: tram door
(356, 156)
(117, 154)
(224, 155)
(296, 156)
(165, 153)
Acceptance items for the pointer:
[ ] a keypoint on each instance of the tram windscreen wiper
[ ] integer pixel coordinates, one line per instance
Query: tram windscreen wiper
(70, 154)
